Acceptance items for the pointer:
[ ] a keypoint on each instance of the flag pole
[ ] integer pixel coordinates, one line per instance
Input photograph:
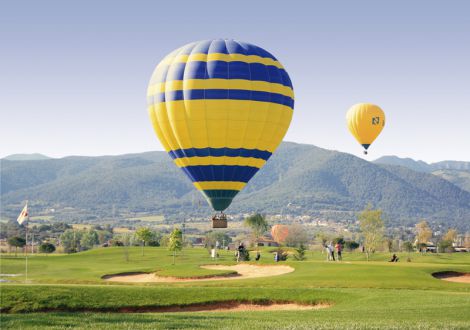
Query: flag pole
(26, 259)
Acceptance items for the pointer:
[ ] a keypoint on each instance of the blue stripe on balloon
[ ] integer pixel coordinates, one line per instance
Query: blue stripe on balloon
(221, 94)
(219, 152)
(220, 173)
(223, 70)
(224, 47)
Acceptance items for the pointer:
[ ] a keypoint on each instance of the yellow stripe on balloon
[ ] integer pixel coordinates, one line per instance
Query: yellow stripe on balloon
(219, 185)
(223, 123)
(223, 160)
(262, 86)
(220, 57)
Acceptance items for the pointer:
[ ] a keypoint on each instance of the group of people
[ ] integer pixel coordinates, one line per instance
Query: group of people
(242, 253)
(330, 251)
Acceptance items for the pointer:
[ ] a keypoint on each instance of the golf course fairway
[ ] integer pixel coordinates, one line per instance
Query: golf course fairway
(68, 291)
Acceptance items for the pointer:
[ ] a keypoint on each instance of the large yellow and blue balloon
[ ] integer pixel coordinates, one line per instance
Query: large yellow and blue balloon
(220, 108)
(365, 122)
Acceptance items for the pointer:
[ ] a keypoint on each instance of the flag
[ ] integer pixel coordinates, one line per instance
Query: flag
(23, 215)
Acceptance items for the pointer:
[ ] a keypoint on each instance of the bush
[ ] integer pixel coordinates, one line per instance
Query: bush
(300, 253)
(47, 248)
(16, 242)
(339, 240)
(351, 245)
(116, 242)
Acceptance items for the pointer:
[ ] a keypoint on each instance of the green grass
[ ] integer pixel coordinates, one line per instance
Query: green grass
(374, 294)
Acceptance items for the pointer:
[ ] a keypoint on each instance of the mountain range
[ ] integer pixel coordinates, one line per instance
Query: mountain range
(454, 171)
(299, 179)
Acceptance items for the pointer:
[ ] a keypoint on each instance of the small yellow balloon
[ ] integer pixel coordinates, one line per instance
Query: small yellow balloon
(365, 122)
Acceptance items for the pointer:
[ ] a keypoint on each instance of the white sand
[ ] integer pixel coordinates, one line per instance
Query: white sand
(225, 306)
(458, 278)
(243, 270)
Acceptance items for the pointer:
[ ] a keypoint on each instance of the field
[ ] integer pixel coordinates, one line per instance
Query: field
(42, 217)
(67, 291)
(149, 218)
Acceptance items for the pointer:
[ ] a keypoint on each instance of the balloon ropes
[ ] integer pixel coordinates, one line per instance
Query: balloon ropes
(220, 109)
(365, 122)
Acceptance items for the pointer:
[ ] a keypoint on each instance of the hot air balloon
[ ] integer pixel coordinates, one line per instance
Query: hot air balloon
(220, 109)
(279, 233)
(365, 122)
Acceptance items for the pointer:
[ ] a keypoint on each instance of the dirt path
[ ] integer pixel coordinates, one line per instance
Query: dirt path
(243, 271)
(453, 277)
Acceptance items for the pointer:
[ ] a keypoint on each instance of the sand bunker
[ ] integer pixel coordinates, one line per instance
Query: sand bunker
(215, 306)
(225, 306)
(244, 271)
(453, 277)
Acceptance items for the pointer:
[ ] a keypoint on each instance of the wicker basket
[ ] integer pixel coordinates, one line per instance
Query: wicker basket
(219, 222)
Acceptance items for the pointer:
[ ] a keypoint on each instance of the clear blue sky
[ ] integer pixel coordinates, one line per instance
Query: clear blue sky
(73, 74)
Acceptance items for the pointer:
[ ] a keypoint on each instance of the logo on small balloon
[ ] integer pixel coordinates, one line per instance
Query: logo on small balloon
(375, 120)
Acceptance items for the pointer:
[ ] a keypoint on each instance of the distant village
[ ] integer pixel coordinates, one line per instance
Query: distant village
(68, 236)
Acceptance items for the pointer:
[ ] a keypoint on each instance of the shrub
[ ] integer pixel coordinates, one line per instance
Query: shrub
(351, 245)
(47, 248)
(300, 253)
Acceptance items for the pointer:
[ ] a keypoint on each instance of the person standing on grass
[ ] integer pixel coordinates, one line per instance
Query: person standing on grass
(339, 249)
(328, 252)
(332, 251)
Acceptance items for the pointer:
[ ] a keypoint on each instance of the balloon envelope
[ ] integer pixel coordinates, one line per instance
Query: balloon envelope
(220, 108)
(365, 122)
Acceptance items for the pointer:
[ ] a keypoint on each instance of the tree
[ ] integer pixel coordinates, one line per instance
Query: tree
(323, 238)
(389, 244)
(300, 253)
(104, 236)
(212, 237)
(297, 235)
(423, 234)
(123, 240)
(372, 229)
(258, 225)
(16, 242)
(89, 239)
(351, 245)
(339, 240)
(445, 246)
(144, 234)
(11, 228)
(70, 240)
(466, 242)
(164, 241)
(155, 239)
(175, 242)
(451, 235)
(47, 248)
(408, 246)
